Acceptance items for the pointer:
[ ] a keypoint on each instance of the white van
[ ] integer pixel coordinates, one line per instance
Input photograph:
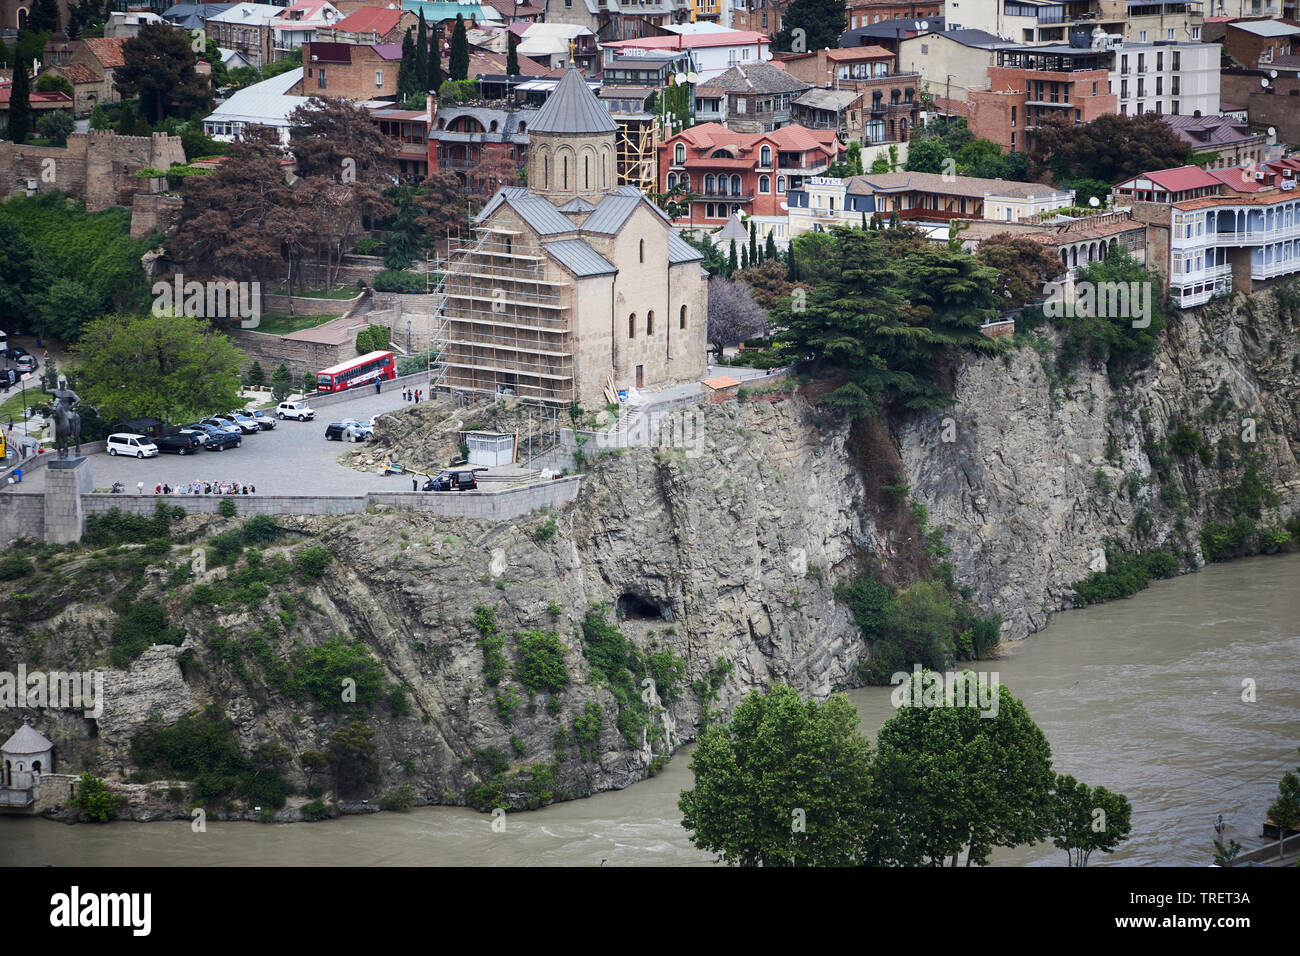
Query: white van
(124, 443)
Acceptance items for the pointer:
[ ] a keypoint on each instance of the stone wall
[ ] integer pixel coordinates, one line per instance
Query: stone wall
(305, 305)
(271, 350)
(97, 167)
(150, 214)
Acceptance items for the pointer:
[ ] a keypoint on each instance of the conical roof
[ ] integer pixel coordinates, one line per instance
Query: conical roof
(26, 741)
(573, 108)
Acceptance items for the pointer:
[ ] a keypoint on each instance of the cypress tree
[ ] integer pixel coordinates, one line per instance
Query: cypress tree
(895, 220)
(792, 272)
(20, 106)
(732, 262)
(458, 58)
(753, 244)
(769, 249)
(512, 56)
(864, 219)
(744, 257)
(421, 63)
(434, 60)
(406, 86)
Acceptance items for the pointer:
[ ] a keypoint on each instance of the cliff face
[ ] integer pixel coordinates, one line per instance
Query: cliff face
(726, 559)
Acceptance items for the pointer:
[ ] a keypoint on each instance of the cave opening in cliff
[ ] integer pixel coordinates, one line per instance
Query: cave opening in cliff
(635, 607)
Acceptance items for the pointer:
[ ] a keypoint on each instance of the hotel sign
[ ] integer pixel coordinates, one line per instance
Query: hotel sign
(824, 181)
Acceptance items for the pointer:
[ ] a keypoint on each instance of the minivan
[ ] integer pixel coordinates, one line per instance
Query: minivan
(124, 443)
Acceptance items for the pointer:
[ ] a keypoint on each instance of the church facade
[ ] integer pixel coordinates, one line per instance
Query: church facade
(573, 285)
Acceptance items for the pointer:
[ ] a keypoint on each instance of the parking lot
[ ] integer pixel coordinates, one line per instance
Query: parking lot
(292, 459)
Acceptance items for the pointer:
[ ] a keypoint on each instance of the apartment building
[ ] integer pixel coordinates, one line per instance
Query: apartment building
(1039, 22)
(1258, 43)
(866, 12)
(763, 16)
(953, 62)
(1220, 142)
(711, 53)
(890, 100)
(370, 25)
(756, 98)
(246, 28)
(1166, 78)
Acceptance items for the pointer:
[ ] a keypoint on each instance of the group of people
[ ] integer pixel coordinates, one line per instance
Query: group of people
(412, 395)
(206, 488)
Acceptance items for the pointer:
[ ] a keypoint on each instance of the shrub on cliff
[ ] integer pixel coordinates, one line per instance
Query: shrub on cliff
(93, 799)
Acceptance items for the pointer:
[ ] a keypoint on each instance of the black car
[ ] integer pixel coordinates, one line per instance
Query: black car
(178, 444)
(335, 431)
(9, 377)
(452, 481)
(220, 440)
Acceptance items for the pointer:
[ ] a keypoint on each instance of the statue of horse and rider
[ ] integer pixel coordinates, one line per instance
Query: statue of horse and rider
(67, 423)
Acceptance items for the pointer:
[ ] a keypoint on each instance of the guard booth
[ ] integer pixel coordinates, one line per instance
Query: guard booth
(490, 448)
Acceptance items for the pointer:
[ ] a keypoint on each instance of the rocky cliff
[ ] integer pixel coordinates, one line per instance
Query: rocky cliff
(723, 560)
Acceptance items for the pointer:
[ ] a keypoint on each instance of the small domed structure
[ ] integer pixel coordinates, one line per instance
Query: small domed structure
(25, 752)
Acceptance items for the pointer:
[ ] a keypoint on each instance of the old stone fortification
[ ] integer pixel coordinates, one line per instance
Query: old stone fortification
(726, 557)
(97, 167)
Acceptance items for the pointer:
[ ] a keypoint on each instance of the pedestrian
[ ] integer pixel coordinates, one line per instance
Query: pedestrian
(406, 397)
(378, 384)
(417, 396)
(415, 483)
(207, 488)
(139, 487)
(157, 489)
(252, 489)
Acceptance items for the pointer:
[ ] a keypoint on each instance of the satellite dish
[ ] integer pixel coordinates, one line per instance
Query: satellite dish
(785, 207)
(1272, 74)
(679, 79)
(1272, 131)
(692, 77)
(1263, 82)
(925, 24)
(1094, 202)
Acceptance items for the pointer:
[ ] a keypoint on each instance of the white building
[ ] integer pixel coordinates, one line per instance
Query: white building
(263, 104)
(24, 757)
(1171, 78)
(297, 24)
(712, 52)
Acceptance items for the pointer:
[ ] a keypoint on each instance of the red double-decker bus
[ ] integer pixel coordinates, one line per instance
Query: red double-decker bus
(362, 370)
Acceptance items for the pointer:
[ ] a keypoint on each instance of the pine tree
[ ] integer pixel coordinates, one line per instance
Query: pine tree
(732, 262)
(753, 243)
(512, 56)
(864, 219)
(421, 63)
(769, 249)
(20, 106)
(458, 58)
(822, 22)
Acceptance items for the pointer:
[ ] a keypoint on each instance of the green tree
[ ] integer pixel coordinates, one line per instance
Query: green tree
(769, 247)
(256, 374)
(56, 126)
(1285, 810)
(421, 61)
(458, 58)
(1023, 266)
(281, 383)
(44, 16)
(99, 120)
(926, 156)
(434, 77)
(733, 263)
(785, 783)
(512, 56)
(753, 244)
(18, 274)
(93, 798)
(53, 83)
(541, 662)
(171, 367)
(1086, 820)
(821, 23)
(949, 779)
(353, 756)
(406, 75)
(159, 69)
(64, 309)
(20, 106)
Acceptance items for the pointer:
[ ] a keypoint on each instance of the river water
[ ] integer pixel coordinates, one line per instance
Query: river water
(1143, 696)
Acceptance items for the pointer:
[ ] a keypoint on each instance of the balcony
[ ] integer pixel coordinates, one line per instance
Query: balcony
(728, 196)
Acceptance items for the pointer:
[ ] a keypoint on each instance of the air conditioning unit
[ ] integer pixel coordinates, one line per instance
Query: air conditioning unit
(1259, 175)
(1288, 173)
(1288, 185)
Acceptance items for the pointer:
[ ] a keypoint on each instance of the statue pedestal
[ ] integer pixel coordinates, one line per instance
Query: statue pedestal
(66, 480)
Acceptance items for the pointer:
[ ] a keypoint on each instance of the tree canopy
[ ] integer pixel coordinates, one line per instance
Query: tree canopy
(1023, 265)
(1111, 148)
(159, 69)
(822, 22)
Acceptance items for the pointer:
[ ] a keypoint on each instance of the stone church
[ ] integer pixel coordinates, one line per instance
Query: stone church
(574, 284)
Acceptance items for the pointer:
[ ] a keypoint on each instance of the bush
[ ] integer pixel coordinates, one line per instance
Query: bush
(400, 798)
(867, 600)
(226, 508)
(546, 530)
(1126, 573)
(281, 383)
(93, 799)
(398, 280)
(916, 627)
(541, 662)
(315, 811)
(256, 375)
(14, 566)
(368, 247)
(312, 561)
(143, 624)
(373, 338)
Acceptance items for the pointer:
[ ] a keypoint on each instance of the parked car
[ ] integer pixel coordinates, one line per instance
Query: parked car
(264, 421)
(179, 444)
(9, 378)
(20, 359)
(222, 439)
(452, 481)
(339, 431)
(125, 443)
(298, 410)
(247, 424)
(224, 424)
(200, 431)
(354, 430)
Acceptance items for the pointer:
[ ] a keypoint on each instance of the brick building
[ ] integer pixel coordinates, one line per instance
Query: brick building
(352, 71)
(753, 98)
(891, 104)
(1255, 43)
(867, 12)
(370, 25)
(763, 16)
(102, 58)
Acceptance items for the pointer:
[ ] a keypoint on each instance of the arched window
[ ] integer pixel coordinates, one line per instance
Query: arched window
(650, 320)
(641, 250)
(681, 321)
(735, 185)
(564, 173)
(764, 184)
(679, 154)
(708, 184)
(586, 173)
(766, 156)
(780, 184)
(631, 326)
(686, 181)
(672, 181)
(546, 171)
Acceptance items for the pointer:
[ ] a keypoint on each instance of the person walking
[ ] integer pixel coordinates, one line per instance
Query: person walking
(139, 487)
(415, 483)
(378, 384)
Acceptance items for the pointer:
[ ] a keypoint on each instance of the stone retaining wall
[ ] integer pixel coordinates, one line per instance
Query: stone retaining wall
(309, 305)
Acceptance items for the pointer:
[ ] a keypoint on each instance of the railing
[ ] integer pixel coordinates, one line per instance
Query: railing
(734, 197)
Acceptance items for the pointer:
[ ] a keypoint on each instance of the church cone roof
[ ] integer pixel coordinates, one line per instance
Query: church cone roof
(573, 108)
(26, 740)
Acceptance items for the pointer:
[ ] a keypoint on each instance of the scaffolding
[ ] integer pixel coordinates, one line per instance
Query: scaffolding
(505, 324)
(636, 147)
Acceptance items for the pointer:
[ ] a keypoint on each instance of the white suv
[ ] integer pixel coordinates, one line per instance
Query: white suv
(298, 410)
(125, 443)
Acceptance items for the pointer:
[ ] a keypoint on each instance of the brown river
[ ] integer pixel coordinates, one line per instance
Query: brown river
(1143, 696)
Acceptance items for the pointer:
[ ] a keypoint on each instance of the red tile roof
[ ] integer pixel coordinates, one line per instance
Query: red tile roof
(1239, 179)
(711, 135)
(78, 73)
(107, 50)
(54, 96)
(1181, 178)
(369, 20)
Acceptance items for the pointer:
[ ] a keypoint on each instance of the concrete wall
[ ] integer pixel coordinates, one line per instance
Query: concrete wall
(304, 305)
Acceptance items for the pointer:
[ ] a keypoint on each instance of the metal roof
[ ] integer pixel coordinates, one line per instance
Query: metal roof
(610, 215)
(679, 250)
(536, 211)
(573, 108)
(267, 103)
(577, 205)
(26, 740)
(579, 258)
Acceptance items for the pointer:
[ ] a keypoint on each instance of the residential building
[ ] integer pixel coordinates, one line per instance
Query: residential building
(599, 292)
(297, 24)
(613, 20)
(890, 33)
(551, 45)
(862, 13)
(753, 98)
(1042, 22)
(1166, 78)
(728, 172)
(268, 103)
(462, 136)
(845, 111)
(711, 53)
(443, 13)
(102, 57)
(1257, 43)
(892, 104)
(193, 16)
(247, 29)
(127, 24)
(370, 25)
(87, 85)
(823, 202)
(351, 71)
(1219, 141)
(409, 131)
(41, 103)
(763, 16)
(952, 62)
